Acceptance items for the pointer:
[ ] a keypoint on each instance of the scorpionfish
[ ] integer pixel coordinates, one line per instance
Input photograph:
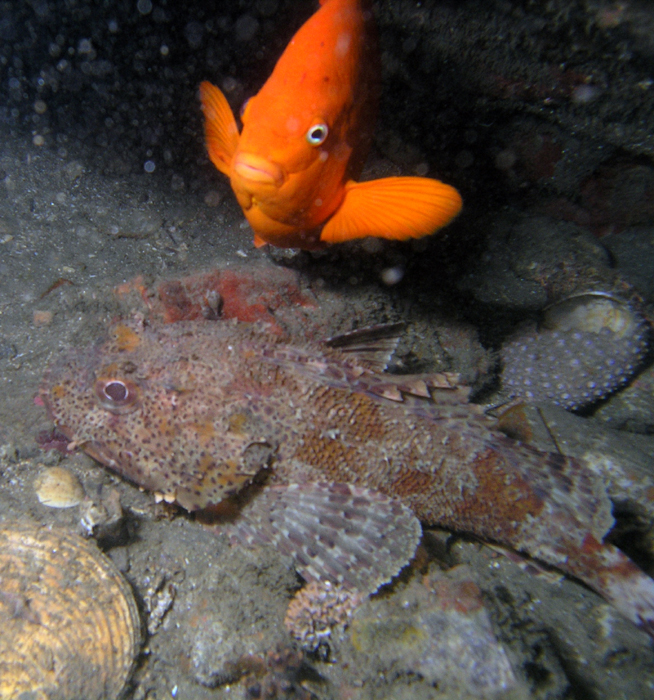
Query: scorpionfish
(317, 451)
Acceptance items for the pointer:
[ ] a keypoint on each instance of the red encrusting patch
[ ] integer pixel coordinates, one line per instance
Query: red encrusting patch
(245, 294)
(249, 297)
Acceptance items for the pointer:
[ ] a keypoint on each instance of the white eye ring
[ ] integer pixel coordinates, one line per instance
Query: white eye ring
(317, 134)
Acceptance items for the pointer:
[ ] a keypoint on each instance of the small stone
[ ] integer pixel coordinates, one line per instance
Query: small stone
(439, 631)
(102, 518)
(42, 318)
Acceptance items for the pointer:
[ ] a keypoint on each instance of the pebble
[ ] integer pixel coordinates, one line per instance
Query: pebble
(42, 318)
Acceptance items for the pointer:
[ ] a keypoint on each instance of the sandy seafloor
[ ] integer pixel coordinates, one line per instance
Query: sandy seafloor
(540, 115)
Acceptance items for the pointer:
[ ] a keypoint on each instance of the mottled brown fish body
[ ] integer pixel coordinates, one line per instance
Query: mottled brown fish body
(196, 410)
(442, 459)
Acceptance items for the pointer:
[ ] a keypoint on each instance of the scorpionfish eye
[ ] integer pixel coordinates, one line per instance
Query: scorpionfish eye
(117, 395)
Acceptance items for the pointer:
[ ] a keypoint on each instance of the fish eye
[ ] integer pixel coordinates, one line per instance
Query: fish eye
(116, 391)
(317, 134)
(117, 395)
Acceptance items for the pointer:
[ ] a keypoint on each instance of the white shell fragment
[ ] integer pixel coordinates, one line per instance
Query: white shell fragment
(592, 312)
(57, 487)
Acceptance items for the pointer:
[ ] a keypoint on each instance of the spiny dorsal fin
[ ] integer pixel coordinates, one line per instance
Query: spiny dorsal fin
(397, 387)
(373, 346)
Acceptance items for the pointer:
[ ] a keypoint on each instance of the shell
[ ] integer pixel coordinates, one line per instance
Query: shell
(70, 625)
(591, 312)
(57, 487)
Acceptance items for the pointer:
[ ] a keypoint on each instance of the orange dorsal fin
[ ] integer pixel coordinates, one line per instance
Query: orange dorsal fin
(397, 208)
(220, 130)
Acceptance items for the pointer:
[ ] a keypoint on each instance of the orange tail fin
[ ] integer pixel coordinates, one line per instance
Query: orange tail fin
(397, 208)
(221, 132)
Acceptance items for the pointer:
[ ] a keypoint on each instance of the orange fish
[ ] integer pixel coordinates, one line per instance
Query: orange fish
(305, 136)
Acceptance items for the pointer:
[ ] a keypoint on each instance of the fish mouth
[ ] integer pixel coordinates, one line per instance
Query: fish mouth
(257, 169)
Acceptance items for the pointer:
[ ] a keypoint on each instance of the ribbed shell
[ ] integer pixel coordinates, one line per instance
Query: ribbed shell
(70, 625)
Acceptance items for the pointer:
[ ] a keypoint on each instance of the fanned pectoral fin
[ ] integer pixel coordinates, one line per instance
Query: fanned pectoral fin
(397, 208)
(356, 537)
(221, 132)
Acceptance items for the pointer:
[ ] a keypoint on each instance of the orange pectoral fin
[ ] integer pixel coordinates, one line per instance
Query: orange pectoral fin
(221, 132)
(396, 208)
